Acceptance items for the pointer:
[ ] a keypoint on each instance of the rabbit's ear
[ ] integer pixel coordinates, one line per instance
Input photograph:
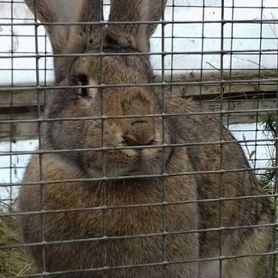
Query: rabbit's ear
(134, 35)
(50, 11)
(69, 38)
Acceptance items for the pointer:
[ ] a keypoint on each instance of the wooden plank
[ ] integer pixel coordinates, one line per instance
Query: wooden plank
(30, 130)
(19, 98)
(31, 97)
(213, 90)
(18, 131)
(22, 104)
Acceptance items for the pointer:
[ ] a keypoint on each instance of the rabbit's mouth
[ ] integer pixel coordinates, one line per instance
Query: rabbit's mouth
(135, 167)
(141, 170)
(134, 171)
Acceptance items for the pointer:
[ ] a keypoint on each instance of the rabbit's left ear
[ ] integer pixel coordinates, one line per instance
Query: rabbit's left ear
(66, 37)
(63, 36)
(135, 35)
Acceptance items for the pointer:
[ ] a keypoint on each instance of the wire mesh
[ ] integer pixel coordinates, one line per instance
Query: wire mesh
(220, 55)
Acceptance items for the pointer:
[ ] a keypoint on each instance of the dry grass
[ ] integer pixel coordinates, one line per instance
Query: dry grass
(13, 261)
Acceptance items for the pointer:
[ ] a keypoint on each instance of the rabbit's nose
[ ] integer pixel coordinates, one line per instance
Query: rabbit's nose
(133, 141)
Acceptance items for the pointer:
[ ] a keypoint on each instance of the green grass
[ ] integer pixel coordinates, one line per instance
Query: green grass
(268, 178)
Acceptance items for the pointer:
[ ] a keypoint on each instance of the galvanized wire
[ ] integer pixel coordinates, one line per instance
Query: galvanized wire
(224, 80)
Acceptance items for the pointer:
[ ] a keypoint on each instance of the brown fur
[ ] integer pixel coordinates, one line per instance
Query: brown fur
(134, 35)
(68, 39)
(229, 185)
(118, 222)
(145, 137)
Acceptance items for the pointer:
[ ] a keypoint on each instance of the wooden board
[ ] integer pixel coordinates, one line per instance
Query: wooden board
(256, 98)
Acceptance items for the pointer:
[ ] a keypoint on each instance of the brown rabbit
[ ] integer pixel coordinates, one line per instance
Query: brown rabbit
(122, 225)
(120, 241)
(208, 155)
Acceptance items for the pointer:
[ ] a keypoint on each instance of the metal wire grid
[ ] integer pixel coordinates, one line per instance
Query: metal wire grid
(164, 82)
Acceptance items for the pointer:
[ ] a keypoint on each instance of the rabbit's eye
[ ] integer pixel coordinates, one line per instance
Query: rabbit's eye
(152, 142)
(82, 80)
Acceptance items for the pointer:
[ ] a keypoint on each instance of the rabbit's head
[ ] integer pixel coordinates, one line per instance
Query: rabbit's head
(77, 27)
(116, 122)
(124, 121)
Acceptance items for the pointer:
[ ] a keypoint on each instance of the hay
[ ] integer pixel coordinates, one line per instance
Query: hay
(13, 261)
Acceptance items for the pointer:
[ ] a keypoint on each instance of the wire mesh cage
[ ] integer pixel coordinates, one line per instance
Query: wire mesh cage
(138, 138)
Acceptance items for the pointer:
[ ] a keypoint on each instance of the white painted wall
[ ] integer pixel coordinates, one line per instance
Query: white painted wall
(188, 37)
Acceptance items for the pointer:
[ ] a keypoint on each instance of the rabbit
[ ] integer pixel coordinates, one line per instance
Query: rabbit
(112, 227)
(122, 226)
(207, 154)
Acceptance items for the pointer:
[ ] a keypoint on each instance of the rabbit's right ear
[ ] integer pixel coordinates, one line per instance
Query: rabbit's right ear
(69, 38)
(134, 35)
